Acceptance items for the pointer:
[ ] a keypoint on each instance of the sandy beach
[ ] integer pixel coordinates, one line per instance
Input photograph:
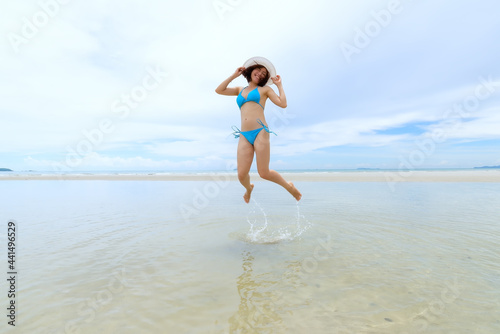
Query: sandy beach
(369, 176)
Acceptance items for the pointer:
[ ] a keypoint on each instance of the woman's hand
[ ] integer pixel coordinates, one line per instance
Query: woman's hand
(238, 71)
(276, 80)
(223, 90)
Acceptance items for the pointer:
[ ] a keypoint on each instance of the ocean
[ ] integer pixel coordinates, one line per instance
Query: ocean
(192, 257)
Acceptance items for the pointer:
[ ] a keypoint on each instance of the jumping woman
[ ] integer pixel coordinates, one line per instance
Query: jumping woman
(251, 99)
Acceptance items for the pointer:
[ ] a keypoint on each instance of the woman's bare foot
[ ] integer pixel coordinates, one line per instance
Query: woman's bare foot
(295, 192)
(247, 195)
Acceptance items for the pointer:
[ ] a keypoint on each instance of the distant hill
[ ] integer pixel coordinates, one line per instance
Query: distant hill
(487, 167)
(5, 170)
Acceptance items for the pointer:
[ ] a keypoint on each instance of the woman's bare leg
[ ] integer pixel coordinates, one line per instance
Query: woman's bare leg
(244, 160)
(263, 153)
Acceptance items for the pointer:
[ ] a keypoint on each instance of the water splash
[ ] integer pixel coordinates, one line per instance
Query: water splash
(262, 232)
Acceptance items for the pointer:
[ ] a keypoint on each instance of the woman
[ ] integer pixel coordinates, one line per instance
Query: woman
(251, 100)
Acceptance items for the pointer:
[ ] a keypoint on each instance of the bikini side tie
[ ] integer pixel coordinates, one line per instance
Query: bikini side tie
(265, 127)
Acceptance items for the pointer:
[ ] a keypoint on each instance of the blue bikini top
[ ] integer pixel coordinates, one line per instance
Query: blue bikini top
(253, 96)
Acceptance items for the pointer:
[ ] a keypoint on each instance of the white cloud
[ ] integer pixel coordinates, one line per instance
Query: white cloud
(483, 126)
(95, 161)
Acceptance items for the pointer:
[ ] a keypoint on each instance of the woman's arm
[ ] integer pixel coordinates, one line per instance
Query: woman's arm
(223, 90)
(279, 100)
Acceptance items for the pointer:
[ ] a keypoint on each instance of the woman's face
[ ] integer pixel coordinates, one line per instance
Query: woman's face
(258, 74)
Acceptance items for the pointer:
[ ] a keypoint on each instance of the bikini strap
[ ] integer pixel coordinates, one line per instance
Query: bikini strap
(265, 127)
(241, 91)
(236, 132)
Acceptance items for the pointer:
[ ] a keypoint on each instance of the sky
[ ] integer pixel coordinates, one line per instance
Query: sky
(129, 85)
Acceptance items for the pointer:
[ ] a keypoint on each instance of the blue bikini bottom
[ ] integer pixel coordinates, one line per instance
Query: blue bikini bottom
(252, 134)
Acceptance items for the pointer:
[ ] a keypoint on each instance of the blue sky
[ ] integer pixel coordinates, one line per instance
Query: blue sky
(129, 85)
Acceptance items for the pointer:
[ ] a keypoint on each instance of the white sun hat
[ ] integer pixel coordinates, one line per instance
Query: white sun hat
(264, 62)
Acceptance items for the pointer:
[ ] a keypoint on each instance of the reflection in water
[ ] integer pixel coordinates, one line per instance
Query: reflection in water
(258, 301)
(262, 302)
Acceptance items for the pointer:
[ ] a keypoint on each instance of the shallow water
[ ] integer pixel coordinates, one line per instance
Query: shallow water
(192, 257)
